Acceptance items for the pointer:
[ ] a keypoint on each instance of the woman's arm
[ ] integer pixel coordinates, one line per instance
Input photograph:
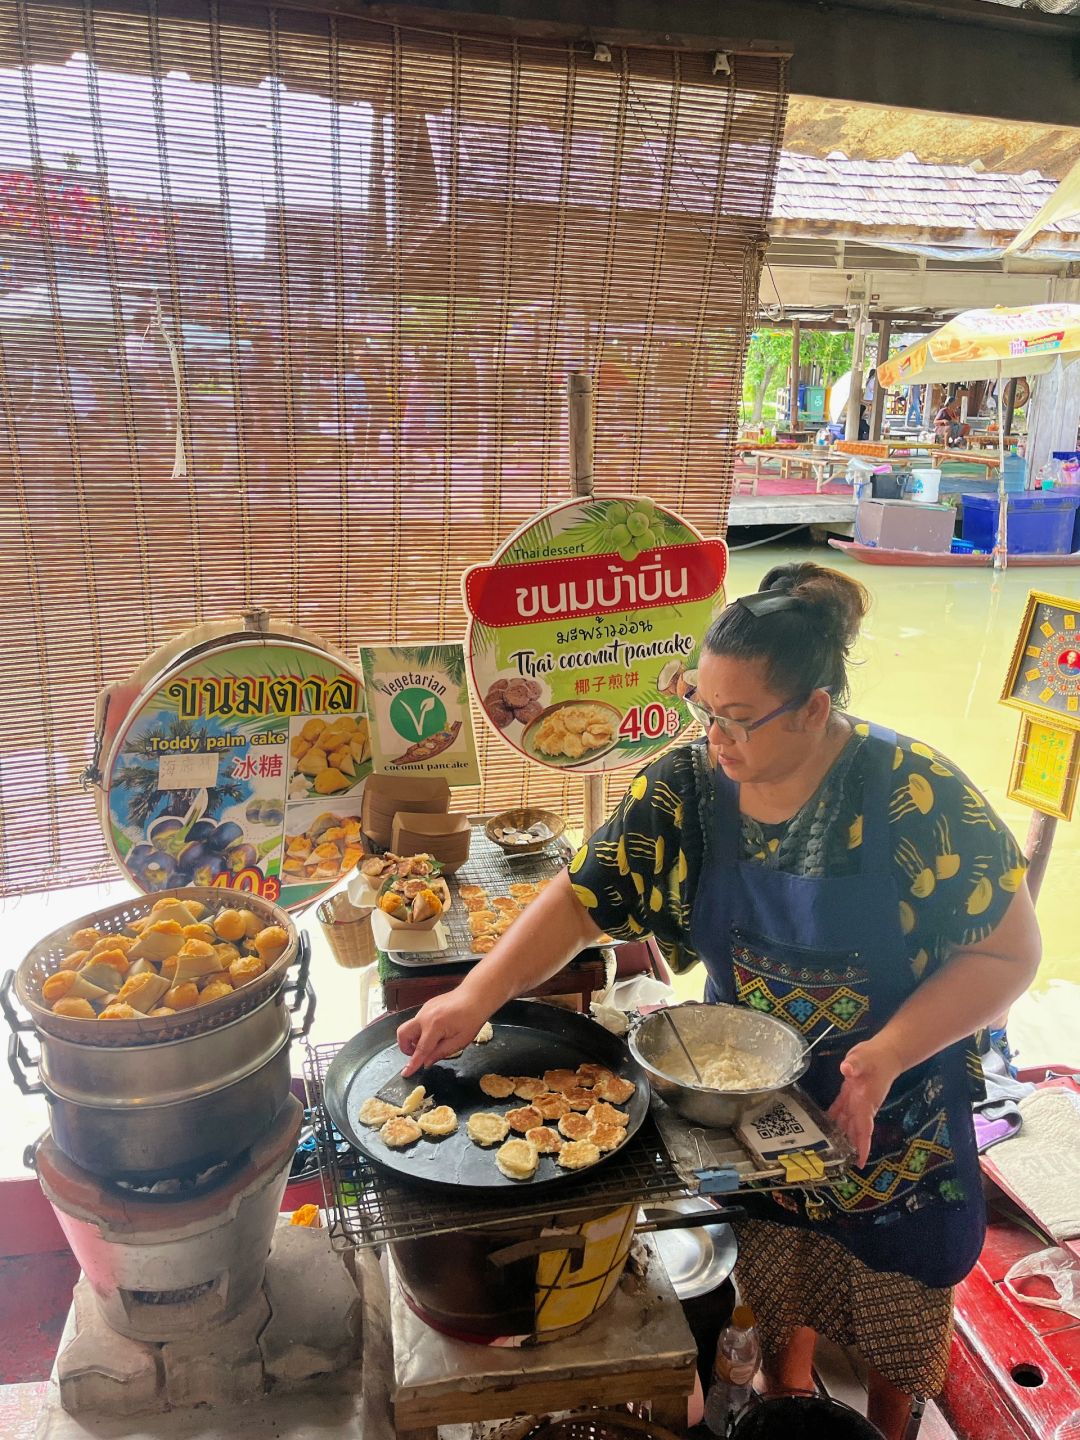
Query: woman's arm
(546, 936)
(971, 989)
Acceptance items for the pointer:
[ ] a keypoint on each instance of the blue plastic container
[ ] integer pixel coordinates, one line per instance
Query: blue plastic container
(1039, 524)
(1015, 473)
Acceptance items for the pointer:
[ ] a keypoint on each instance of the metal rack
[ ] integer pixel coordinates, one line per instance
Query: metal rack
(668, 1157)
(366, 1206)
(490, 867)
(713, 1162)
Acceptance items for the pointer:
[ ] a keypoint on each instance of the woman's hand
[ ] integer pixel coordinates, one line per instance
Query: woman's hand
(869, 1070)
(447, 1023)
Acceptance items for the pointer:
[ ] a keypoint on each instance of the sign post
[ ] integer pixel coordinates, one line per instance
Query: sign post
(579, 395)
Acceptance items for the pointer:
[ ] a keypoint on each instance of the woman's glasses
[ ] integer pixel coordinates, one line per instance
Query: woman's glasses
(737, 730)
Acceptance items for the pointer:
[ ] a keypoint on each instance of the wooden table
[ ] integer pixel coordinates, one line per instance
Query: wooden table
(639, 1347)
(881, 449)
(965, 456)
(987, 441)
(817, 460)
(584, 976)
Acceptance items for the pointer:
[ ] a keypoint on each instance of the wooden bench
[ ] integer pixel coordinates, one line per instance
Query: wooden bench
(820, 463)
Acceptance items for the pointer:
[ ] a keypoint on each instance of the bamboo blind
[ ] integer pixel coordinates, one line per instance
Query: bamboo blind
(366, 257)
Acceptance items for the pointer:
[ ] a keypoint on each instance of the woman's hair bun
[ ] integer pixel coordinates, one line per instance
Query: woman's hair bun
(837, 602)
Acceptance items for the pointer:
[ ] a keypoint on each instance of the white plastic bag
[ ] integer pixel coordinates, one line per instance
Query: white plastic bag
(1056, 1265)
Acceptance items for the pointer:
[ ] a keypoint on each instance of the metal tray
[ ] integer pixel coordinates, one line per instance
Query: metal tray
(490, 867)
(530, 1037)
(697, 1260)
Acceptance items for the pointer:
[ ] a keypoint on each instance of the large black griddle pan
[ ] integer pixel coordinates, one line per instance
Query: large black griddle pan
(530, 1037)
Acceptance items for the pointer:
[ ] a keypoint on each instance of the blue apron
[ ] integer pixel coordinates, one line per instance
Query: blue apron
(813, 951)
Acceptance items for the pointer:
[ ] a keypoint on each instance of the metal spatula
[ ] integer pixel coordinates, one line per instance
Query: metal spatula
(398, 1088)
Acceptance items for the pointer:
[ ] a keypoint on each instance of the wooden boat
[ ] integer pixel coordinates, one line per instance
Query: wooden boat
(875, 555)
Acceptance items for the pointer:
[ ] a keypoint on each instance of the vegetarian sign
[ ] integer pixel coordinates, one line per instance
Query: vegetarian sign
(242, 768)
(418, 702)
(584, 626)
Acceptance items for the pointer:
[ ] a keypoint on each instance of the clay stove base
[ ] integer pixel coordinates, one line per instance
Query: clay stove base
(294, 1347)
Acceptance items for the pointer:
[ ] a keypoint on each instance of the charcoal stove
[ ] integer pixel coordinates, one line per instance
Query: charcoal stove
(179, 1305)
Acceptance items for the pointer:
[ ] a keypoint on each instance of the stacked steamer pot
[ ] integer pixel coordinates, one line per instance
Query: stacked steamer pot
(171, 1137)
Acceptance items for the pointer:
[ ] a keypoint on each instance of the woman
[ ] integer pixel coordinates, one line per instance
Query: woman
(948, 426)
(828, 872)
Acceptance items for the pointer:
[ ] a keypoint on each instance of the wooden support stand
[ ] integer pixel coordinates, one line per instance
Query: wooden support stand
(638, 1348)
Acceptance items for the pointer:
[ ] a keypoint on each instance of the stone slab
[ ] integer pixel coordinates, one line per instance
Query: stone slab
(102, 1372)
(219, 1367)
(833, 511)
(314, 1308)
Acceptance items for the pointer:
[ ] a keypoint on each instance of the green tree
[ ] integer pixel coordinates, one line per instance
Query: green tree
(768, 361)
(768, 358)
(831, 349)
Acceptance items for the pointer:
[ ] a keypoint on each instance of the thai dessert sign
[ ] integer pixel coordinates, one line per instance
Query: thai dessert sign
(584, 630)
(238, 764)
(418, 702)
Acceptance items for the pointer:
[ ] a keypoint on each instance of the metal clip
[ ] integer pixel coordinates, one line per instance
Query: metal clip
(92, 774)
(721, 1181)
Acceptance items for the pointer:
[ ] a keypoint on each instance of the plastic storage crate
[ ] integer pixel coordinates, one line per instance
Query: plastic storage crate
(1038, 524)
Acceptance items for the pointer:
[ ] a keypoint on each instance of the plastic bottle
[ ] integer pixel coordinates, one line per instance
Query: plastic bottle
(738, 1356)
(1015, 472)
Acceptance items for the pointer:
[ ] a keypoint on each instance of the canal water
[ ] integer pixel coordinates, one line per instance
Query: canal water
(931, 664)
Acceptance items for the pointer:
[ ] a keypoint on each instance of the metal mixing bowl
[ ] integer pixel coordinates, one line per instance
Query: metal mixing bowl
(652, 1044)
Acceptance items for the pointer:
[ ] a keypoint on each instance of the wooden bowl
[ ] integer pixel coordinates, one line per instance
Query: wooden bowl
(447, 837)
(521, 820)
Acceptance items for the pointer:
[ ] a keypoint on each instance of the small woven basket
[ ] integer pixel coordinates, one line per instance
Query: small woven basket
(347, 928)
(600, 1425)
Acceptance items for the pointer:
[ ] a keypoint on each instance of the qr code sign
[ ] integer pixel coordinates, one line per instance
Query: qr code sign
(777, 1123)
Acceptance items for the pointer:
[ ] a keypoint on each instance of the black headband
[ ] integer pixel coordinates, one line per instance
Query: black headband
(767, 602)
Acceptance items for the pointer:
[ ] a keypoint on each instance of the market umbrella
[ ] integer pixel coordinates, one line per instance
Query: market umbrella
(990, 345)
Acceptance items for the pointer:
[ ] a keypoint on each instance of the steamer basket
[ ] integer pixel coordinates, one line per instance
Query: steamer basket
(44, 959)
